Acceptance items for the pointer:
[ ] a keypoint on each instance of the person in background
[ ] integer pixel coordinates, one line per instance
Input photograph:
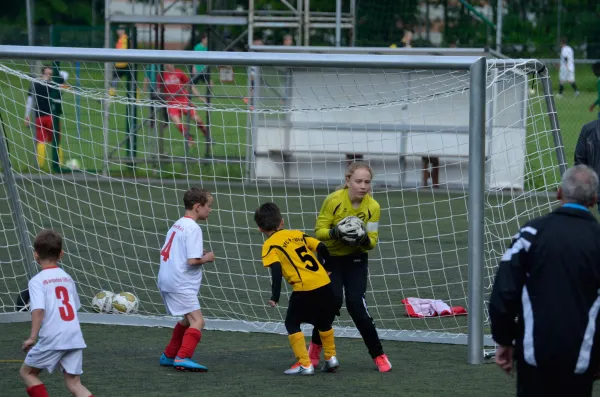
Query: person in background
(587, 150)
(567, 68)
(252, 70)
(596, 70)
(121, 68)
(288, 40)
(40, 101)
(201, 73)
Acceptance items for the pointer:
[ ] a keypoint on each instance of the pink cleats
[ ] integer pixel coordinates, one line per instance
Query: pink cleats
(383, 364)
(314, 353)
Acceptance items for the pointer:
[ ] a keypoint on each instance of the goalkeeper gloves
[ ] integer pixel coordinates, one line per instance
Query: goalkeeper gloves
(335, 233)
(364, 239)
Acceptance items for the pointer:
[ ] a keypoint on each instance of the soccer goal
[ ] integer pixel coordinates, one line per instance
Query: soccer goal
(464, 150)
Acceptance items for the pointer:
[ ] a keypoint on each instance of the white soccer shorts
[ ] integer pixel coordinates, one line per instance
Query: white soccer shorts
(180, 304)
(71, 361)
(566, 75)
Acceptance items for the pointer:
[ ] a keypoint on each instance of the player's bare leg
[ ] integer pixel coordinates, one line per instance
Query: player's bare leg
(184, 131)
(435, 171)
(426, 173)
(206, 133)
(73, 383)
(35, 387)
(191, 338)
(30, 375)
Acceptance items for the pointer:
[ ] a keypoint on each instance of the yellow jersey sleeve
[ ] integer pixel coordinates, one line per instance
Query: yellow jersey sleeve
(372, 224)
(312, 243)
(269, 256)
(325, 218)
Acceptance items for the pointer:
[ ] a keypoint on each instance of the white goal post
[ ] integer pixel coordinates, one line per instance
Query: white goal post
(283, 129)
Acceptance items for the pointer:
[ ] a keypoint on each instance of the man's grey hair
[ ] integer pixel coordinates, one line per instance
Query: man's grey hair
(579, 185)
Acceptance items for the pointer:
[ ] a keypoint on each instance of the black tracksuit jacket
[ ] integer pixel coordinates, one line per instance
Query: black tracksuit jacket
(546, 294)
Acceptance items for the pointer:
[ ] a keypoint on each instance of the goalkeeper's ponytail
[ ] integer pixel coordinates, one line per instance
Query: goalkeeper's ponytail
(357, 165)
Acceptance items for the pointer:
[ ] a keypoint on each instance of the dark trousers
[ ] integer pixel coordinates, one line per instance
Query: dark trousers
(349, 275)
(534, 382)
(314, 307)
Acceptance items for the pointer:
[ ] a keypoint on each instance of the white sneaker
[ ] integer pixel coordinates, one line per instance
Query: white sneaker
(299, 369)
(330, 365)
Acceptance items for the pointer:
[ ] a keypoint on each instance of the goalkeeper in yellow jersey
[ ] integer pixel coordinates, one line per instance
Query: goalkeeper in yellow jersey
(348, 224)
(290, 253)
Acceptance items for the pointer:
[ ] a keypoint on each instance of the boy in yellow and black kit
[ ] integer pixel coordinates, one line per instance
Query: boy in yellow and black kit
(290, 253)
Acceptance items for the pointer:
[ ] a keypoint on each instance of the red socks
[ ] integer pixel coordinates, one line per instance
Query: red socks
(176, 340)
(37, 391)
(181, 128)
(191, 338)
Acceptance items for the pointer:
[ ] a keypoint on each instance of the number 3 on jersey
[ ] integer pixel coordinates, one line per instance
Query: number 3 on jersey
(66, 310)
(165, 251)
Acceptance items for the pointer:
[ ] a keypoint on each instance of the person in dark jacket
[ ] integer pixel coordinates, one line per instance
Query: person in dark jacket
(587, 150)
(545, 300)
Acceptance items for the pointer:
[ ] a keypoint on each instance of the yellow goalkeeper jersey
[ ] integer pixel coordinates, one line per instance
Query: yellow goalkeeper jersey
(336, 207)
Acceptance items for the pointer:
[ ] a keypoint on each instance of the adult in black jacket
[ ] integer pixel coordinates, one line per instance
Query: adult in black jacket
(587, 150)
(546, 296)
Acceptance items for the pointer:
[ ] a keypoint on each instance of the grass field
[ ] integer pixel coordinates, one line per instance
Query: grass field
(252, 364)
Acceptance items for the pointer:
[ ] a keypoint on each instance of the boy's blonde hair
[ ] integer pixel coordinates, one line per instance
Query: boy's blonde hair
(357, 165)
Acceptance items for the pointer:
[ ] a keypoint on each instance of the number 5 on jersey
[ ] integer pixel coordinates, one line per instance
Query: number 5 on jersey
(165, 251)
(306, 257)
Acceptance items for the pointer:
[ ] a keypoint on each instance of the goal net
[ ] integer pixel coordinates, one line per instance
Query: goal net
(116, 164)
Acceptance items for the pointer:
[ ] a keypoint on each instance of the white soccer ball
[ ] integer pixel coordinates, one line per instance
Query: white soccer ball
(352, 229)
(125, 303)
(73, 164)
(102, 302)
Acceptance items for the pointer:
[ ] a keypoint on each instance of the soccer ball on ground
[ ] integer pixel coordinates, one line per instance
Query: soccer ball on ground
(102, 302)
(73, 164)
(125, 303)
(352, 229)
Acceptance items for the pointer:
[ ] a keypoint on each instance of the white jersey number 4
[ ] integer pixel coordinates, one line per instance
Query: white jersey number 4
(165, 251)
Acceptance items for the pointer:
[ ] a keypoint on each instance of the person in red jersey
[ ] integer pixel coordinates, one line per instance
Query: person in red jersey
(173, 83)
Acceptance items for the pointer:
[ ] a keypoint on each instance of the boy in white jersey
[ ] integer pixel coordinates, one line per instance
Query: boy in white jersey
(179, 279)
(567, 68)
(54, 304)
